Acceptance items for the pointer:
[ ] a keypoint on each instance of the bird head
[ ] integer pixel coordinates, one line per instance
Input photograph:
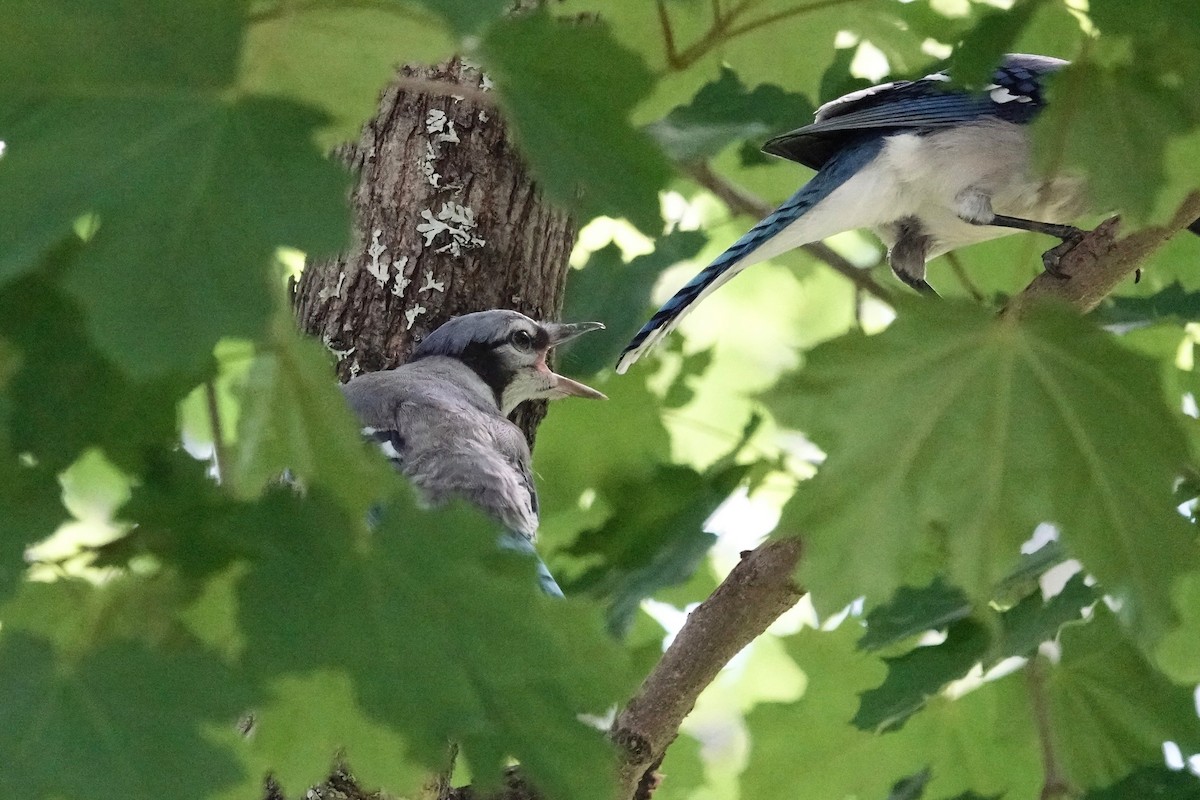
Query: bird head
(508, 351)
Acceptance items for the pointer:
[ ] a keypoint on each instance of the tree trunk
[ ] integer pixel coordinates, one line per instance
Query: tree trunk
(447, 221)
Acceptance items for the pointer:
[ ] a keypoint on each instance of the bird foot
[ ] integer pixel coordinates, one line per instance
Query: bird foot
(1071, 237)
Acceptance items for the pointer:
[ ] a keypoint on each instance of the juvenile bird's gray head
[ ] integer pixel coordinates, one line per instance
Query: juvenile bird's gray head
(508, 351)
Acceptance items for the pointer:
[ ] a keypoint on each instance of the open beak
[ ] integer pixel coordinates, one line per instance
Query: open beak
(564, 332)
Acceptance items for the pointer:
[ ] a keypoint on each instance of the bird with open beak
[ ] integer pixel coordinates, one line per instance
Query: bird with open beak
(442, 418)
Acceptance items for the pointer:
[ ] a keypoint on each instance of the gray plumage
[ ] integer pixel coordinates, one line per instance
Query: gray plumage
(442, 417)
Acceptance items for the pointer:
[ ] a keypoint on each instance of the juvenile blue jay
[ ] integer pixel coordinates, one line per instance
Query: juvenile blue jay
(442, 418)
(927, 167)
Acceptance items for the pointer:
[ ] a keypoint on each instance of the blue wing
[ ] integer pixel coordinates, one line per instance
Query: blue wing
(1016, 95)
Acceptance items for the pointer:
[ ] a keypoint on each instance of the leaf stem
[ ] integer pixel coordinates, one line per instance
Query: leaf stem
(960, 272)
(214, 422)
(779, 16)
(1054, 783)
(664, 21)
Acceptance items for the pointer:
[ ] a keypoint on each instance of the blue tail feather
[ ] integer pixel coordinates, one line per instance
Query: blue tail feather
(510, 540)
(836, 171)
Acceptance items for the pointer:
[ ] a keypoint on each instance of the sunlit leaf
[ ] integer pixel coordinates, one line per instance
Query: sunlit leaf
(568, 88)
(1111, 710)
(618, 293)
(982, 742)
(335, 57)
(952, 434)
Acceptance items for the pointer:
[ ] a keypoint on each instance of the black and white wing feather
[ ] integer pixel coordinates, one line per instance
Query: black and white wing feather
(1016, 94)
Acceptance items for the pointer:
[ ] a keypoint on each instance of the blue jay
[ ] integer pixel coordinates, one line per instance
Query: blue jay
(927, 167)
(442, 418)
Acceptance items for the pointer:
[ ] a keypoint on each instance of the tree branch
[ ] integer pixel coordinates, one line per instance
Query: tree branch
(742, 202)
(750, 598)
(1101, 261)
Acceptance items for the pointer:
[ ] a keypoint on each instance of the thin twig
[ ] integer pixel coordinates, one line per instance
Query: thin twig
(664, 21)
(1054, 783)
(779, 16)
(742, 202)
(214, 424)
(723, 29)
(960, 272)
(752, 596)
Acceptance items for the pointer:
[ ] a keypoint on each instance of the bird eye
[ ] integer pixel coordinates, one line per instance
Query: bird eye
(522, 340)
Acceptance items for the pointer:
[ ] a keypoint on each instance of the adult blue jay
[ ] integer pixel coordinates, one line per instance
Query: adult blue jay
(927, 167)
(442, 418)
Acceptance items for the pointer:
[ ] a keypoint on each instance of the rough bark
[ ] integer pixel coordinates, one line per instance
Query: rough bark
(751, 597)
(447, 221)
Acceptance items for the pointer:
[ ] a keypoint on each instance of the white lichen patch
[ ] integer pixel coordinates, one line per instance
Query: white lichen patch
(412, 314)
(457, 222)
(339, 354)
(441, 132)
(378, 267)
(440, 127)
(432, 285)
(327, 293)
(485, 83)
(483, 117)
(402, 282)
(428, 169)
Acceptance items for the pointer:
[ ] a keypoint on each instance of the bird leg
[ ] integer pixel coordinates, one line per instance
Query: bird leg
(908, 255)
(1069, 234)
(975, 207)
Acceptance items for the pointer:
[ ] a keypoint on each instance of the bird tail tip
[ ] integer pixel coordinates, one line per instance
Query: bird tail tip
(645, 340)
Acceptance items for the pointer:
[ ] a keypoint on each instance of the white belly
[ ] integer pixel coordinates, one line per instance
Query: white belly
(933, 171)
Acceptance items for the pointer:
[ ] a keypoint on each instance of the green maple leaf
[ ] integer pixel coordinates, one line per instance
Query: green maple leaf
(129, 110)
(1111, 710)
(568, 89)
(294, 418)
(446, 638)
(981, 742)
(104, 697)
(952, 434)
